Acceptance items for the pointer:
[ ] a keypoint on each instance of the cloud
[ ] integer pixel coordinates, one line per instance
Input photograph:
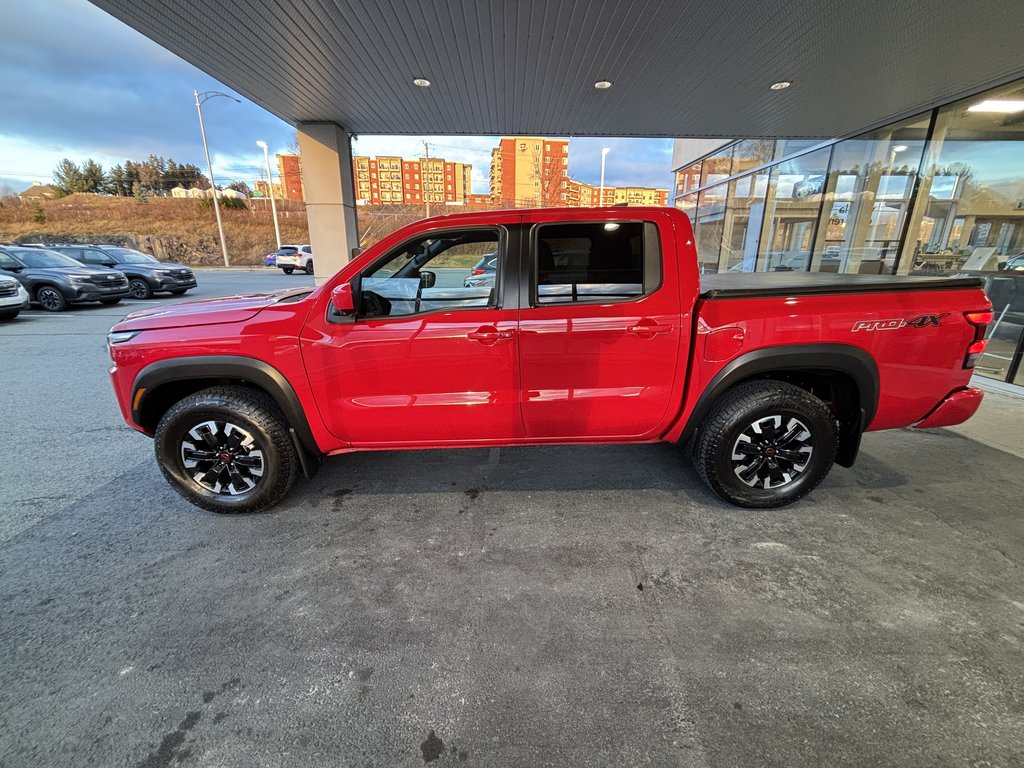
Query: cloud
(75, 82)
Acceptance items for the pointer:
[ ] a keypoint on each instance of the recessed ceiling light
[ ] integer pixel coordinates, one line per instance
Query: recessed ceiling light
(781, 85)
(1009, 106)
(900, 148)
(611, 226)
(602, 84)
(421, 82)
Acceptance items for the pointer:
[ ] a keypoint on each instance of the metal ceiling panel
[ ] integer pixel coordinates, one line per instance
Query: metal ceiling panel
(678, 67)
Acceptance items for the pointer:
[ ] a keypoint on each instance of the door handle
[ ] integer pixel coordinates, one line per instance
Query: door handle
(488, 335)
(647, 330)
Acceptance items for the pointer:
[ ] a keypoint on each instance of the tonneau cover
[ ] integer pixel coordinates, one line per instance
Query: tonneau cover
(751, 285)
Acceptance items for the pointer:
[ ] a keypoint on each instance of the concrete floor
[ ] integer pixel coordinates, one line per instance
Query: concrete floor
(537, 607)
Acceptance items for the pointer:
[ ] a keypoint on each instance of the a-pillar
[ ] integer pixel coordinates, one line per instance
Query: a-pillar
(330, 196)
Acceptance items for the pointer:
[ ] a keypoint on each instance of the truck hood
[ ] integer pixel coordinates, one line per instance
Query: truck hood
(227, 309)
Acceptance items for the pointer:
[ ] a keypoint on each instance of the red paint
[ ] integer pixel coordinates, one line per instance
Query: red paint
(630, 371)
(956, 408)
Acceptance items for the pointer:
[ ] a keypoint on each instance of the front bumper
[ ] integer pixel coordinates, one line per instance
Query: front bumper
(20, 300)
(955, 408)
(96, 292)
(174, 283)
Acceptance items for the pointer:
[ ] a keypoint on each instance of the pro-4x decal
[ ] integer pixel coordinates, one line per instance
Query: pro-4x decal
(921, 321)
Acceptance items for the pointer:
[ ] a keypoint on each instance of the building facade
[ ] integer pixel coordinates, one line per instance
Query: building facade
(938, 193)
(529, 171)
(289, 171)
(392, 180)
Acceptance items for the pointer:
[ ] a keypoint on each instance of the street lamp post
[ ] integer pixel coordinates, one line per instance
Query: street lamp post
(202, 98)
(270, 187)
(604, 154)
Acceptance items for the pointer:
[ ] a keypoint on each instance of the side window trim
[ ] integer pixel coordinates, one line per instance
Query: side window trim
(653, 273)
(504, 257)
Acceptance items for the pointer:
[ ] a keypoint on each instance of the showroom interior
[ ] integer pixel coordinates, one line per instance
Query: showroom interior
(939, 193)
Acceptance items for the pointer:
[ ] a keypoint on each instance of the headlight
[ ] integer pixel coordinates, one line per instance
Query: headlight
(120, 337)
(165, 273)
(80, 279)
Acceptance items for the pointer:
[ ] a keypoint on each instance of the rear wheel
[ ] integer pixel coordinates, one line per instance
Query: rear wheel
(766, 444)
(288, 270)
(51, 299)
(139, 288)
(309, 267)
(227, 449)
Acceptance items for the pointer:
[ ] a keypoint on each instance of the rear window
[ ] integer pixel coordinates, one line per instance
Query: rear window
(599, 261)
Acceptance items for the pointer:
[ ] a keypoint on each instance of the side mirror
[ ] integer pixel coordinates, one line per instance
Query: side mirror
(427, 279)
(342, 300)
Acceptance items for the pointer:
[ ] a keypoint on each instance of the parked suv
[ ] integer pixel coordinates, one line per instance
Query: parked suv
(146, 275)
(54, 280)
(13, 298)
(292, 257)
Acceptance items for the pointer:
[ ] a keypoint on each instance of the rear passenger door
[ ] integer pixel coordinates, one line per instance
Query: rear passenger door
(599, 331)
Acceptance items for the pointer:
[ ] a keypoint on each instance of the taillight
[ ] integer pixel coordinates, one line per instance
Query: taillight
(980, 320)
(478, 271)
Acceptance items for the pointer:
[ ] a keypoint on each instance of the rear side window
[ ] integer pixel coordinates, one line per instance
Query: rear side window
(597, 261)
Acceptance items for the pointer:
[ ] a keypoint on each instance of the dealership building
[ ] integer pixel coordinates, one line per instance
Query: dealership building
(941, 192)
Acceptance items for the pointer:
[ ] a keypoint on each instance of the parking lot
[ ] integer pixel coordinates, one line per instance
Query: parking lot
(553, 606)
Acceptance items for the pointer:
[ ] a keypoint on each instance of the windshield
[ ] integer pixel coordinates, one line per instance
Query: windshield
(128, 256)
(40, 259)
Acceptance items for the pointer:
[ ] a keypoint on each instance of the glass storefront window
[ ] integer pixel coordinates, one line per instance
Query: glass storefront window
(708, 227)
(972, 194)
(743, 219)
(792, 208)
(751, 153)
(717, 167)
(867, 197)
(688, 179)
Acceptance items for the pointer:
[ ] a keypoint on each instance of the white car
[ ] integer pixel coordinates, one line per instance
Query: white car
(292, 257)
(13, 298)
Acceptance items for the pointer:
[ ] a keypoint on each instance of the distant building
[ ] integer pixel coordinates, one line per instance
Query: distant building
(530, 171)
(393, 180)
(289, 170)
(40, 191)
(179, 192)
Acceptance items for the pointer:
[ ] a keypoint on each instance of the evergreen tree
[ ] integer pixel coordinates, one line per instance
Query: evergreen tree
(67, 177)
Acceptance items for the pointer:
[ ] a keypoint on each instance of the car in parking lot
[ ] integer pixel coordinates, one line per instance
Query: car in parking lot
(146, 274)
(483, 273)
(292, 257)
(55, 281)
(13, 298)
(1015, 263)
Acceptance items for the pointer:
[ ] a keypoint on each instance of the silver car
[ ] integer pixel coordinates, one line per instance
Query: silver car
(13, 298)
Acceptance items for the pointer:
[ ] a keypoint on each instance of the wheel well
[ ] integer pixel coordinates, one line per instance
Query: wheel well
(836, 389)
(40, 286)
(159, 400)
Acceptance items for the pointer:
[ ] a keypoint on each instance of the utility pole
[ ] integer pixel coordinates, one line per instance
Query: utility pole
(604, 154)
(270, 188)
(426, 197)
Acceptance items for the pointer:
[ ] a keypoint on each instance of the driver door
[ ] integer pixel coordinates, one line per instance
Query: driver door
(431, 356)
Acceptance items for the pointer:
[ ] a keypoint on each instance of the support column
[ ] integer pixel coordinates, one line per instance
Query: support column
(326, 152)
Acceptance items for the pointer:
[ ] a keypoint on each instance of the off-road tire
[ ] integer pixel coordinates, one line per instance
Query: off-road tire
(51, 299)
(731, 421)
(288, 270)
(244, 408)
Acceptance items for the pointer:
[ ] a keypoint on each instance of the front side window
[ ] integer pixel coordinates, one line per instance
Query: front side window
(438, 272)
(599, 261)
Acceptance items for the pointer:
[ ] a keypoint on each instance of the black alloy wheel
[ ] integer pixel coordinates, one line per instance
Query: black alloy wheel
(309, 267)
(51, 299)
(139, 288)
(765, 444)
(227, 449)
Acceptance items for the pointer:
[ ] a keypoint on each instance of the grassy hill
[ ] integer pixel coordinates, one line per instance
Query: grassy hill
(171, 228)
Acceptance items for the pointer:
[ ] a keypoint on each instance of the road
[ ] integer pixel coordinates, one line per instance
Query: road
(539, 607)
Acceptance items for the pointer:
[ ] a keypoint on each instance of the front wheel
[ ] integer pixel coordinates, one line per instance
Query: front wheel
(309, 267)
(51, 299)
(288, 270)
(139, 288)
(766, 444)
(227, 449)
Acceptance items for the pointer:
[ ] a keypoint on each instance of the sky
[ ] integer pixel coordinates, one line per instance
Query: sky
(77, 83)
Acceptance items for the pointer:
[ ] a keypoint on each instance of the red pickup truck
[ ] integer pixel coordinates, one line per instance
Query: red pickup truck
(594, 327)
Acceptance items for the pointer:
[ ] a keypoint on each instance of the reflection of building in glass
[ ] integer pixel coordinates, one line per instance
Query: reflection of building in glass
(934, 194)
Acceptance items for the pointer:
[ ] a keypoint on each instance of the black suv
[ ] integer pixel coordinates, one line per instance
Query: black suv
(146, 275)
(53, 280)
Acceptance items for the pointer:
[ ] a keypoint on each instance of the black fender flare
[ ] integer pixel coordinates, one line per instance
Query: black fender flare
(236, 367)
(801, 358)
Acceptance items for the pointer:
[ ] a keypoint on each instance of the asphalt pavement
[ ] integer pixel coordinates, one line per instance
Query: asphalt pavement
(556, 606)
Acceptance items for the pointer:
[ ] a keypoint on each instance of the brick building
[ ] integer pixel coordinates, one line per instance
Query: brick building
(529, 171)
(397, 181)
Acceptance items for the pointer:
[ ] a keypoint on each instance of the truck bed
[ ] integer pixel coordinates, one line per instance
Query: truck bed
(748, 285)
